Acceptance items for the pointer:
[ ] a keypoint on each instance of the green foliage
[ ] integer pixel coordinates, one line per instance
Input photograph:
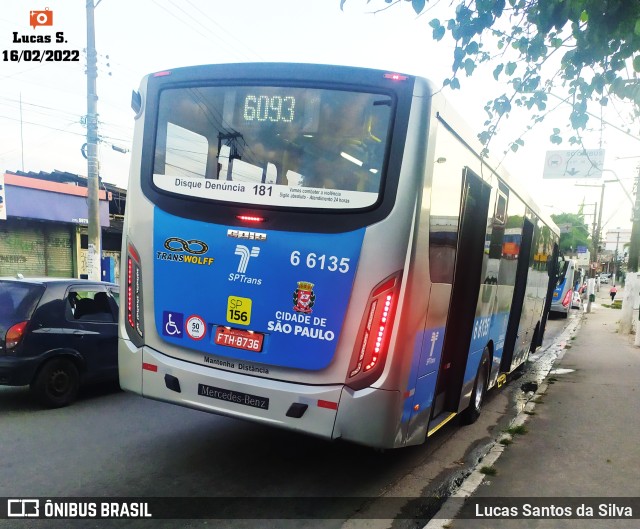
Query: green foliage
(574, 232)
(596, 43)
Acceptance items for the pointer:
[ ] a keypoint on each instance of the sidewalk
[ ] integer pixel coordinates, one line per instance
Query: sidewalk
(582, 437)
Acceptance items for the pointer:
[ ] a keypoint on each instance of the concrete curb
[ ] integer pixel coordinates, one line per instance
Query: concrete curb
(444, 518)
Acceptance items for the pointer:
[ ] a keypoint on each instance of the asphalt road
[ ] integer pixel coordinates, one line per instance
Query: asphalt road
(112, 443)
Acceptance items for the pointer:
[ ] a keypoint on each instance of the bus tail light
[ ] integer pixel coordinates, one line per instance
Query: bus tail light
(14, 335)
(133, 307)
(251, 219)
(375, 333)
(567, 298)
(395, 76)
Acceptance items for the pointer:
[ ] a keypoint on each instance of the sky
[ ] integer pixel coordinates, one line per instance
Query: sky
(42, 104)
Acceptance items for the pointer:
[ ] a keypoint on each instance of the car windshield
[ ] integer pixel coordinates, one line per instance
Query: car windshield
(18, 300)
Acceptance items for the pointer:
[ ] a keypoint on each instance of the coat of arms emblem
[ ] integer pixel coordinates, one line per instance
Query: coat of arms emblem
(303, 297)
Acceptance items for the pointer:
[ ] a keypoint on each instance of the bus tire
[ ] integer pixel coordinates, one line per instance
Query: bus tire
(535, 341)
(471, 414)
(56, 384)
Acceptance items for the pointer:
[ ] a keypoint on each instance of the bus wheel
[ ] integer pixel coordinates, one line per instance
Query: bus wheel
(56, 384)
(471, 414)
(535, 340)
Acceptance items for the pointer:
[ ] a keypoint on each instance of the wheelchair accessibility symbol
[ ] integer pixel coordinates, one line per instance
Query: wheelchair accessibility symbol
(172, 324)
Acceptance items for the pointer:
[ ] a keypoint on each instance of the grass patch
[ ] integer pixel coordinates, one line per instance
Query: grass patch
(530, 412)
(552, 379)
(489, 471)
(506, 441)
(517, 430)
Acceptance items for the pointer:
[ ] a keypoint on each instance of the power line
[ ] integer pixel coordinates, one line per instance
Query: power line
(229, 35)
(207, 36)
(36, 105)
(66, 114)
(41, 125)
(118, 129)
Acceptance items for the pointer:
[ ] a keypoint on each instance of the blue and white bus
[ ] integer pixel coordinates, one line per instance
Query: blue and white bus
(563, 291)
(321, 248)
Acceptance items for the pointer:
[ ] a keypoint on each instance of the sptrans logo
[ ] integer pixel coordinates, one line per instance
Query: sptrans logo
(41, 18)
(245, 255)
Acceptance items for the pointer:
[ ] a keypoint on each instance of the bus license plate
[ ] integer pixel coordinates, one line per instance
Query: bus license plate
(249, 341)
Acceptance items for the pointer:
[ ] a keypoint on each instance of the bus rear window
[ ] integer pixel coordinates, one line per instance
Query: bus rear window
(274, 146)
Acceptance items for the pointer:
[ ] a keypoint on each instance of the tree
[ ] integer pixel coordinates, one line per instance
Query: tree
(574, 232)
(589, 47)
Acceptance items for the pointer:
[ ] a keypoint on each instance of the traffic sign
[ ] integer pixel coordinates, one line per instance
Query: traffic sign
(574, 164)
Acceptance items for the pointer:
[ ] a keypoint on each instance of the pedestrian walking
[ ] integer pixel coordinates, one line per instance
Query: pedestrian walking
(613, 292)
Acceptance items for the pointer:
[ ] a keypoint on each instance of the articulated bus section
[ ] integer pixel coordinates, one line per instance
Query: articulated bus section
(374, 309)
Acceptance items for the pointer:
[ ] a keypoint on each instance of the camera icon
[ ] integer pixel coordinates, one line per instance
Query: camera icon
(41, 18)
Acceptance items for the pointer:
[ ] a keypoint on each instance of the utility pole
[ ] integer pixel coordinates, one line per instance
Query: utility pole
(594, 239)
(634, 247)
(598, 227)
(615, 258)
(599, 230)
(93, 171)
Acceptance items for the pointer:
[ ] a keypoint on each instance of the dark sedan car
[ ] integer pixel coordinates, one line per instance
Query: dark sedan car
(56, 334)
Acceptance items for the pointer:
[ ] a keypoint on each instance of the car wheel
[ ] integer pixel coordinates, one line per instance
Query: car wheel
(471, 414)
(57, 383)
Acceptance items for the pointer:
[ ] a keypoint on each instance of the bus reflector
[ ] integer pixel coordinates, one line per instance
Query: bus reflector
(250, 218)
(150, 367)
(376, 329)
(327, 404)
(133, 295)
(162, 74)
(567, 298)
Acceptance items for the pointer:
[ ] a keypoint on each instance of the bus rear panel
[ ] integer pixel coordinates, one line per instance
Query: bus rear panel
(281, 254)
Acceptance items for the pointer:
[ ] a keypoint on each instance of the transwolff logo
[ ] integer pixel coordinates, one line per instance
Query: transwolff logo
(192, 246)
(245, 254)
(185, 251)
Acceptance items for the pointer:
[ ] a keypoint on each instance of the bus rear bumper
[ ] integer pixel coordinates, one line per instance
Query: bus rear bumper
(371, 417)
(559, 308)
(309, 409)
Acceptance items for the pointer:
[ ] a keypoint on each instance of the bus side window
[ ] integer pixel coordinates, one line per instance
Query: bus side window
(497, 233)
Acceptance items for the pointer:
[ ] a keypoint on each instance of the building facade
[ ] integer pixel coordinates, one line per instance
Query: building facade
(43, 225)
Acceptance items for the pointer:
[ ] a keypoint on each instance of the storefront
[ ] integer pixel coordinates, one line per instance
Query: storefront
(43, 226)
